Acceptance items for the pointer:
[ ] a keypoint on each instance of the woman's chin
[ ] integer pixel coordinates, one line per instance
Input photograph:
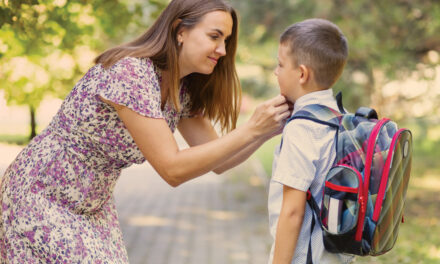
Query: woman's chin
(206, 71)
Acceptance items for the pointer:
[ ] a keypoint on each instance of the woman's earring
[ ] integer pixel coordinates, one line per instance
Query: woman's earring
(179, 44)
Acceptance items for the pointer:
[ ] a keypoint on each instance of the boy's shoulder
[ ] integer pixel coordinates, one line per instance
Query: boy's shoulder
(302, 131)
(323, 97)
(306, 133)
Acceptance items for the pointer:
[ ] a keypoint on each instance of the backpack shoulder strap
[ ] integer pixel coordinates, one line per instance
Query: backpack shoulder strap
(318, 113)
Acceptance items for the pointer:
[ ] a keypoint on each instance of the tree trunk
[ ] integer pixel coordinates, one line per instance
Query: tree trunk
(33, 123)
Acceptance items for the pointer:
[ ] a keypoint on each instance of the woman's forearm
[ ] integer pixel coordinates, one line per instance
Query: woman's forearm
(241, 156)
(199, 130)
(198, 160)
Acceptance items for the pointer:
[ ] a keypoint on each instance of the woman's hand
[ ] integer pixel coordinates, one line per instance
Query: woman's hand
(269, 117)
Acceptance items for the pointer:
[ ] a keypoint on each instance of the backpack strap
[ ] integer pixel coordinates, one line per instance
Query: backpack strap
(362, 111)
(339, 102)
(309, 250)
(318, 113)
(315, 214)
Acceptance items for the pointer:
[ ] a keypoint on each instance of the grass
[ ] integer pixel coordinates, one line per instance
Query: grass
(15, 139)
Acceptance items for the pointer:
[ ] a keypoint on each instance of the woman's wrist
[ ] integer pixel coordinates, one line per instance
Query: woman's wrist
(250, 130)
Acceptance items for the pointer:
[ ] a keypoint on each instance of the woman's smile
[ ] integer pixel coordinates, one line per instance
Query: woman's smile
(213, 59)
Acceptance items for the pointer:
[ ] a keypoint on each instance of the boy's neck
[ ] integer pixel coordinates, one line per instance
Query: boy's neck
(313, 88)
(309, 88)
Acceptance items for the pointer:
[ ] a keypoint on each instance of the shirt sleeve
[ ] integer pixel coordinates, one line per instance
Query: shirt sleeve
(295, 166)
(132, 82)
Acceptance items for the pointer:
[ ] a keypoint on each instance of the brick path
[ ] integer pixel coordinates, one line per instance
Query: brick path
(213, 219)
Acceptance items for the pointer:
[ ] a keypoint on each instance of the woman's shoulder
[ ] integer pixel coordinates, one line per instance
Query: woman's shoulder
(132, 68)
(131, 82)
(133, 63)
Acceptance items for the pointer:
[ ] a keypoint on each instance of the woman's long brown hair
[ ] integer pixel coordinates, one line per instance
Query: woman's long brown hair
(217, 95)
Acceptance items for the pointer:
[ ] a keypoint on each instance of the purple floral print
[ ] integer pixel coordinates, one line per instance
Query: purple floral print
(56, 197)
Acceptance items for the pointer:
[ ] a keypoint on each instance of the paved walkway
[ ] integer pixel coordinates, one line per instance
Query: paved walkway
(213, 219)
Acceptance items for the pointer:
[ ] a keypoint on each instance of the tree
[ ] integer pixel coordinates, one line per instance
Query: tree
(46, 45)
(388, 40)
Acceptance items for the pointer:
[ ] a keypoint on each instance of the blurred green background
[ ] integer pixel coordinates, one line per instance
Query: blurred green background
(394, 67)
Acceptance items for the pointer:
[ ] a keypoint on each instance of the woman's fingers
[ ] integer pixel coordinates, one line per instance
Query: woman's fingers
(277, 100)
(283, 111)
(282, 108)
(270, 116)
(283, 116)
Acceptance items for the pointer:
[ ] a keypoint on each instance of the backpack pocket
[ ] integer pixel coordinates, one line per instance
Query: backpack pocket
(341, 200)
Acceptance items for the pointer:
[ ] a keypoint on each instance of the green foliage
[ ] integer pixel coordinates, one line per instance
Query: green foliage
(46, 45)
(256, 88)
(383, 46)
(43, 44)
(14, 139)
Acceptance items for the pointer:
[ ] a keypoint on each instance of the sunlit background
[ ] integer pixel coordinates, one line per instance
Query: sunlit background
(394, 66)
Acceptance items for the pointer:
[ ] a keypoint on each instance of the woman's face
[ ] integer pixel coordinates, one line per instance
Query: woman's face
(204, 44)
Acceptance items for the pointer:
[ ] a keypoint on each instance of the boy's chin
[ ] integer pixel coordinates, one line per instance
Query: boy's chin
(289, 100)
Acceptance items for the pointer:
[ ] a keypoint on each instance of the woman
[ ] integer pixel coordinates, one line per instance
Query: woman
(57, 203)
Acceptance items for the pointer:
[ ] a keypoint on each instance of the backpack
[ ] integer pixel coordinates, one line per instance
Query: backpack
(365, 190)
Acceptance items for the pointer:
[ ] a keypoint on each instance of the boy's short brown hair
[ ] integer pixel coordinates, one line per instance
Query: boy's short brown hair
(320, 45)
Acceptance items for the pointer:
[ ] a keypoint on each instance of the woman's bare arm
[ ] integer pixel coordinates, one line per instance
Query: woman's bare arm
(199, 130)
(157, 143)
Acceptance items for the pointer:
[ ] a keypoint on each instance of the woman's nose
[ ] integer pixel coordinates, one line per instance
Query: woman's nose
(221, 49)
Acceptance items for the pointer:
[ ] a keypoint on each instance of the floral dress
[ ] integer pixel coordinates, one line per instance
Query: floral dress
(56, 198)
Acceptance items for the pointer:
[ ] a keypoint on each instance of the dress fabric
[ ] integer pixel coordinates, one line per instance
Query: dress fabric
(56, 197)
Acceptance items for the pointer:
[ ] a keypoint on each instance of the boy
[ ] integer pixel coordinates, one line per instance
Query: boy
(311, 57)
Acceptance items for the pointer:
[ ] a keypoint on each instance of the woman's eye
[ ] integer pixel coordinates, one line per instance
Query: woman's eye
(214, 37)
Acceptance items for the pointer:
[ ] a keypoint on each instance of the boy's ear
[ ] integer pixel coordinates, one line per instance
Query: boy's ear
(305, 74)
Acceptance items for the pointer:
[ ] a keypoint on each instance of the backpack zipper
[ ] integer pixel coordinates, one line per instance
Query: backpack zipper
(367, 171)
(341, 188)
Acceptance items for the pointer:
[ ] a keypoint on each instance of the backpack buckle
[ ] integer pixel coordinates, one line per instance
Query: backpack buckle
(366, 112)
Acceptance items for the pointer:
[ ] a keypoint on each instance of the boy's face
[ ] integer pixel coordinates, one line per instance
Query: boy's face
(288, 75)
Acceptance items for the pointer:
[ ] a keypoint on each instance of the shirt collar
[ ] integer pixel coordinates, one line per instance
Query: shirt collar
(317, 97)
